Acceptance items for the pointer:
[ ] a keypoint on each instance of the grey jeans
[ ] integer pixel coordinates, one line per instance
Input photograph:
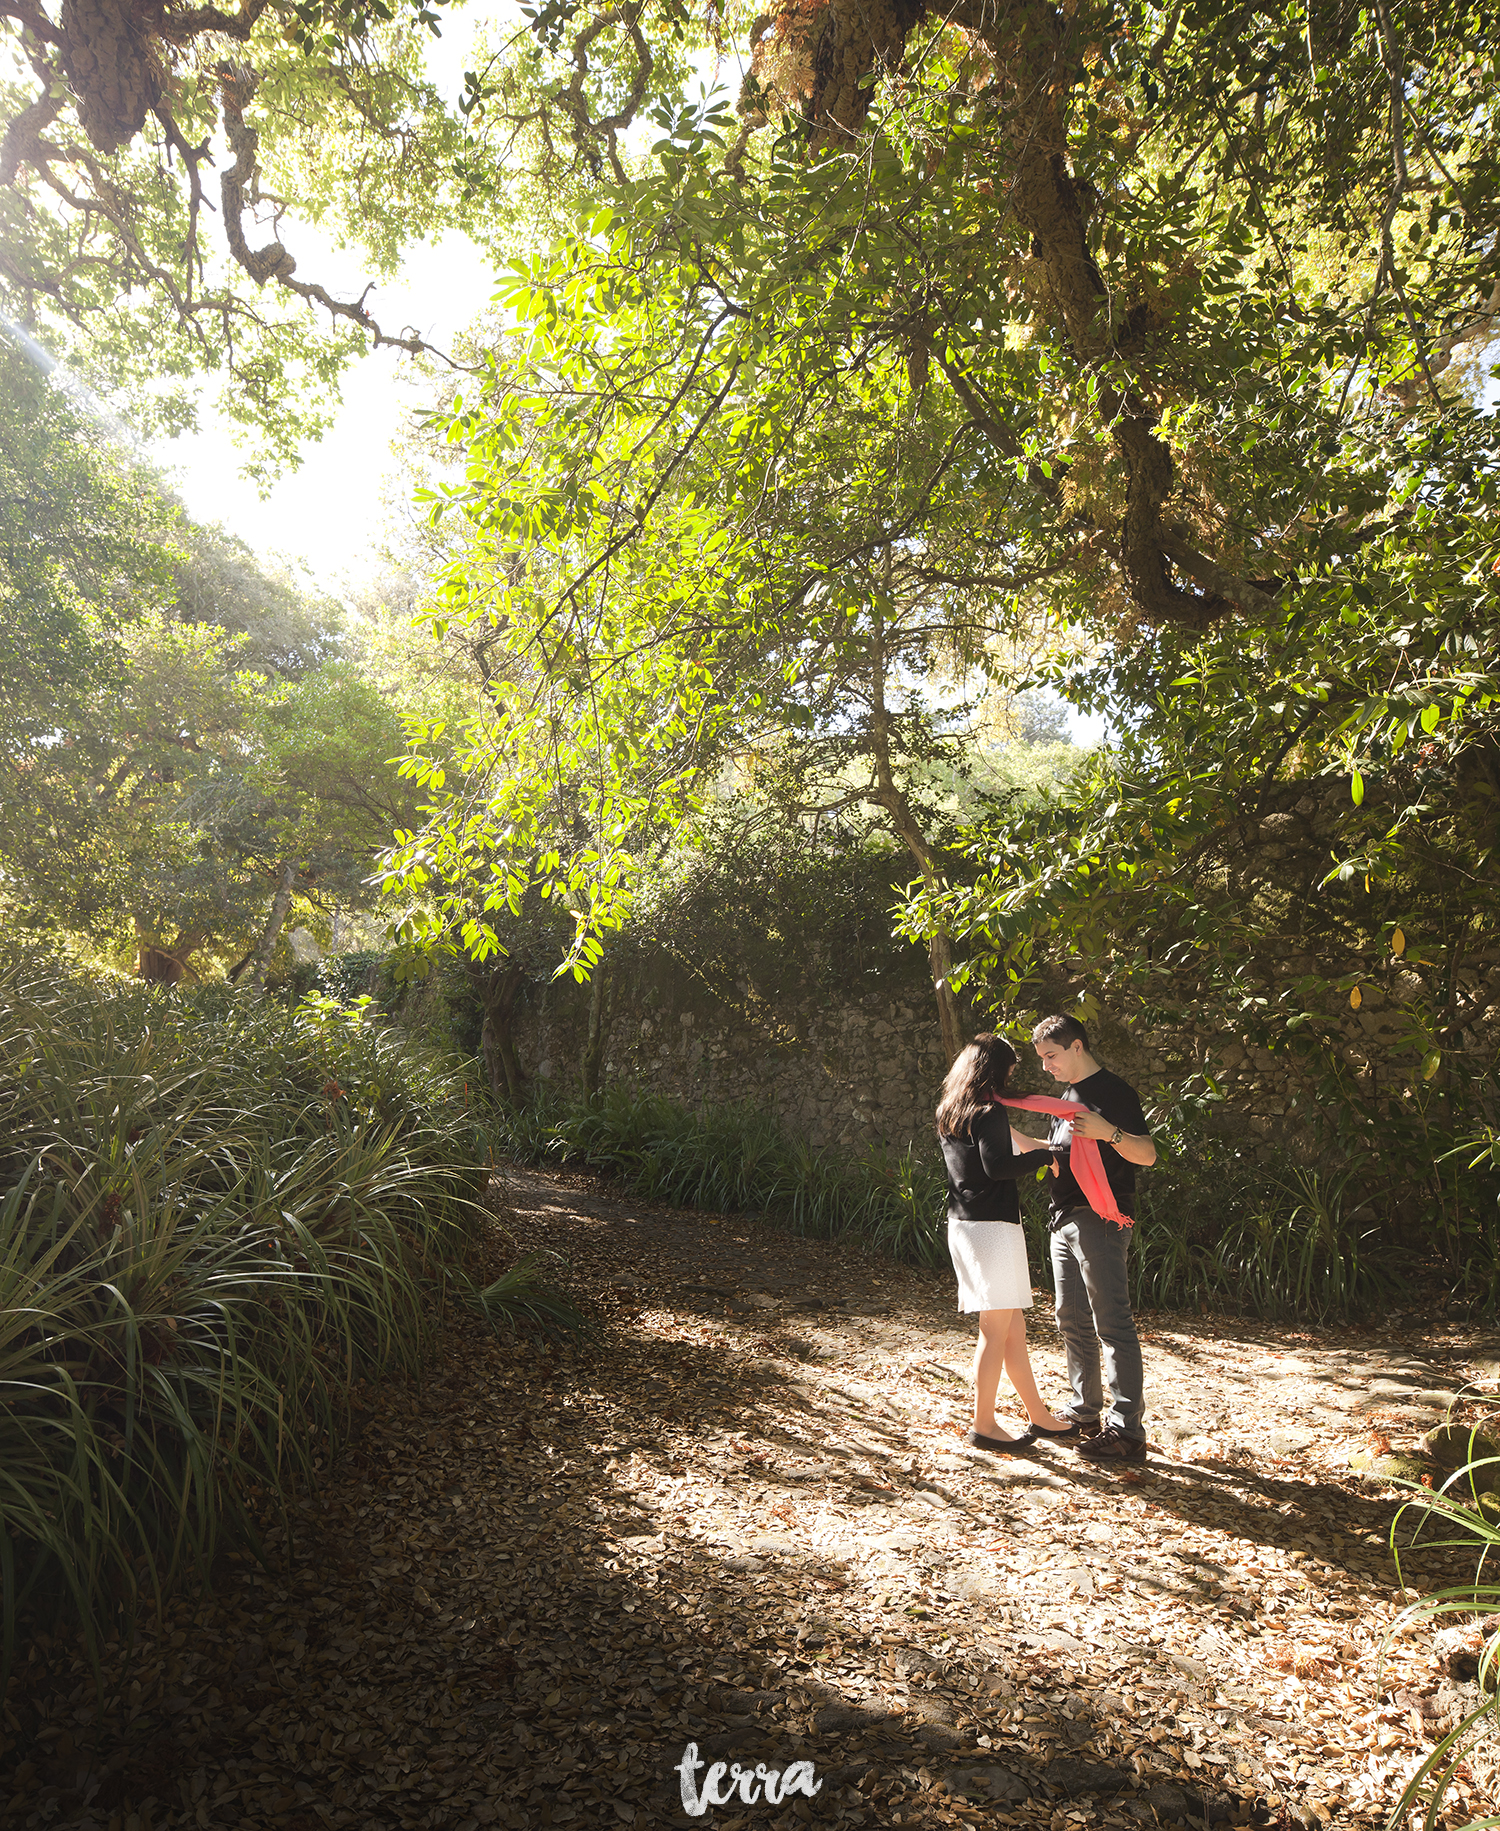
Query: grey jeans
(1090, 1259)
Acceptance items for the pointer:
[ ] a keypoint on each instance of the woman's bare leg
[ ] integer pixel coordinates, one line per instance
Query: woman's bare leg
(995, 1328)
(1017, 1363)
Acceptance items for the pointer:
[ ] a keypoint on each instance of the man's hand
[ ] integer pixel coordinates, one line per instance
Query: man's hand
(1134, 1147)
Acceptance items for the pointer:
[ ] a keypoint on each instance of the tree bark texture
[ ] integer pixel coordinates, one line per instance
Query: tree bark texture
(111, 62)
(499, 987)
(601, 1010)
(281, 903)
(817, 57)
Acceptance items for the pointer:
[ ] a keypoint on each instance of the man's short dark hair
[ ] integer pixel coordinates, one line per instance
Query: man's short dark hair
(1062, 1030)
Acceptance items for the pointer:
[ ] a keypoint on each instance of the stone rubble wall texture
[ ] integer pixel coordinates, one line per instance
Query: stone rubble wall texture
(864, 1068)
(863, 1072)
(1379, 1044)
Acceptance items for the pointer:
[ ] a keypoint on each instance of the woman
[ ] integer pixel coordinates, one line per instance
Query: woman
(986, 1240)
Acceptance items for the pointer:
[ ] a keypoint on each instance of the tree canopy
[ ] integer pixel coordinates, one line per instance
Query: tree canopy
(1162, 331)
(1137, 350)
(186, 734)
(1135, 321)
(160, 165)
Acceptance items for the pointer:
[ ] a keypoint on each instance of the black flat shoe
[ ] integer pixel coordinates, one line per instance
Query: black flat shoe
(999, 1446)
(1039, 1433)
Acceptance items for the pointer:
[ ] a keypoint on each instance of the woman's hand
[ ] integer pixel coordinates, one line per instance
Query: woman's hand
(1021, 1144)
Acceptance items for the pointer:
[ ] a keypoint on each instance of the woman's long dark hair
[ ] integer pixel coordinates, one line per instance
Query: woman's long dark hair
(978, 1076)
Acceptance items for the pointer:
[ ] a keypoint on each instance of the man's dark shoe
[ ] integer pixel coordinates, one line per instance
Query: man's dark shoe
(1112, 1445)
(1082, 1427)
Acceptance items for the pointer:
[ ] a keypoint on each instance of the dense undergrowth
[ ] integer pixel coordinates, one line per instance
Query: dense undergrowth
(1457, 1516)
(734, 1160)
(1225, 1236)
(1211, 1233)
(215, 1215)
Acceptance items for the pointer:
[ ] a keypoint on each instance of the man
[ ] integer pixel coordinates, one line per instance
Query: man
(1089, 1253)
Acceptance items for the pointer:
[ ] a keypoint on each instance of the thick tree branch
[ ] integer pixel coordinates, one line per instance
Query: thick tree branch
(179, 27)
(23, 139)
(608, 127)
(273, 261)
(1221, 585)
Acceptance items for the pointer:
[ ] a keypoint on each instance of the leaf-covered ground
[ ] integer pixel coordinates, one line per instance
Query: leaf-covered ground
(746, 1520)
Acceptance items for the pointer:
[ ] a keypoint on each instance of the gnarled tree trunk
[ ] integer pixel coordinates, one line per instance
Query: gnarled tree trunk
(498, 988)
(159, 964)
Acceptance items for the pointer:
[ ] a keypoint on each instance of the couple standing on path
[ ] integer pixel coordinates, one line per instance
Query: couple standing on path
(1093, 1154)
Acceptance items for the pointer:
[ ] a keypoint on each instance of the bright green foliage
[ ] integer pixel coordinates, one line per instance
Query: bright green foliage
(1151, 323)
(213, 1218)
(1157, 383)
(185, 786)
(159, 170)
(330, 793)
(85, 547)
(180, 723)
(1291, 840)
(286, 630)
(524, 815)
(664, 598)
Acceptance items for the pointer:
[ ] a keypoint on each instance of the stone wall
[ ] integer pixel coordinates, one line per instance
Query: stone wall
(864, 1068)
(861, 1071)
(781, 988)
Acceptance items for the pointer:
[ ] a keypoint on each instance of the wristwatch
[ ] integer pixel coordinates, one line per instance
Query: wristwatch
(1117, 1134)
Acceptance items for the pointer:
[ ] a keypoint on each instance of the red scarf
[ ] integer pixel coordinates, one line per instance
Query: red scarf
(1084, 1158)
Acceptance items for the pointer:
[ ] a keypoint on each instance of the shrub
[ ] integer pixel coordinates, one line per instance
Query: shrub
(1217, 1235)
(1462, 1509)
(735, 1159)
(1211, 1233)
(214, 1215)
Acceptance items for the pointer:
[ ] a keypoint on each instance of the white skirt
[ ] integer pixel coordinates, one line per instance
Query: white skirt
(990, 1259)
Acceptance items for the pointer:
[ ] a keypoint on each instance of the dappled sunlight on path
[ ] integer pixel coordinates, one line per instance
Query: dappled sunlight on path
(746, 1520)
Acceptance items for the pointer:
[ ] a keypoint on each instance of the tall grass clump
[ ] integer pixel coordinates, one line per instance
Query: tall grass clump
(1221, 1236)
(214, 1215)
(736, 1160)
(1458, 1511)
(1211, 1234)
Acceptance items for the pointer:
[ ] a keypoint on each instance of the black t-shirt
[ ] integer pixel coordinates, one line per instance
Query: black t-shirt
(1117, 1101)
(982, 1169)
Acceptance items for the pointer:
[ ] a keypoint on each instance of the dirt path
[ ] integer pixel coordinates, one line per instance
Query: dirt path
(746, 1521)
